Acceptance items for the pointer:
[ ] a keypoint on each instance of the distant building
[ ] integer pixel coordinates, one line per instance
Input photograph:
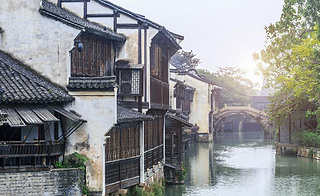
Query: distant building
(259, 102)
(202, 100)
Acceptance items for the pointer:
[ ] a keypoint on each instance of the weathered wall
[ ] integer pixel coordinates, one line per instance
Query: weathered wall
(99, 109)
(154, 175)
(52, 182)
(38, 41)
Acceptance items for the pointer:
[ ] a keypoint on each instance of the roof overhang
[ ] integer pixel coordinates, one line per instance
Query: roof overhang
(21, 116)
(182, 121)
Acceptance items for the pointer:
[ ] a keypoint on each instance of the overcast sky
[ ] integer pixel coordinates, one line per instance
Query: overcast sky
(221, 32)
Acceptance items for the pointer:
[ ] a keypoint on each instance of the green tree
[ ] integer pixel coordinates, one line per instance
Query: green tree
(185, 60)
(290, 61)
(236, 88)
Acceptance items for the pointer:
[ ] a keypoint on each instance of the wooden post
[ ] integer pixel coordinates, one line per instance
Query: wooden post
(139, 43)
(115, 20)
(85, 8)
(141, 136)
(145, 61)
(139, 62)
(179, 161)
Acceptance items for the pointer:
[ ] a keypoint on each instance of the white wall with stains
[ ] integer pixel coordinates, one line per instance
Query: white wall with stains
(98, 108)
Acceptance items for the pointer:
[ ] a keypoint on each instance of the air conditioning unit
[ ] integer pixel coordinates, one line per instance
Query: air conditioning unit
(129, 79)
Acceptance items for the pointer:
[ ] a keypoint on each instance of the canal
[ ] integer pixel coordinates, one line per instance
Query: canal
(243, 163)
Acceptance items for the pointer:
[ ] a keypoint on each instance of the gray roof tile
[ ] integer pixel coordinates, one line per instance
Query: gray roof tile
(22, 85)
(130, 115)
(106, 83)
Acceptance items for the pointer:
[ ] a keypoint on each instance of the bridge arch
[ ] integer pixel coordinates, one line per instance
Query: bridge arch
(259, 116)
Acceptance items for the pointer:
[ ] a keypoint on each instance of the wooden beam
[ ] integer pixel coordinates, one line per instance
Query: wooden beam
(72, 1)
(115, 20)
(129, 26)
(102, 15)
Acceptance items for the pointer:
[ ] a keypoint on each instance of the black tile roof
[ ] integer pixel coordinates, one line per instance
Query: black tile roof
(194, 74)
(60, 14)
(3, 116)
(129, 115)
(106, 83)
(179, 119)
(22, 85)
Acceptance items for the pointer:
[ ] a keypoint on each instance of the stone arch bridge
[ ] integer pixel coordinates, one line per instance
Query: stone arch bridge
(259, 116)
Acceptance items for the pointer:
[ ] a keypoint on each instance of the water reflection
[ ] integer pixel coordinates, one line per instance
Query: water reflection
(246, 164)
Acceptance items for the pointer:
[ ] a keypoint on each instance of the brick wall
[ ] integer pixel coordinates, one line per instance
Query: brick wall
(52, 182)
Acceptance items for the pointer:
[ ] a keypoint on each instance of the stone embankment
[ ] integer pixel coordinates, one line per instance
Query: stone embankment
(50, 182)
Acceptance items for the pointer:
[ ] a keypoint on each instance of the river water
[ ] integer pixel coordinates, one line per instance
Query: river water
(243, 163)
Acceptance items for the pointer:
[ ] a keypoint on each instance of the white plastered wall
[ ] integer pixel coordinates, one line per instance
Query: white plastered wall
(98, 108)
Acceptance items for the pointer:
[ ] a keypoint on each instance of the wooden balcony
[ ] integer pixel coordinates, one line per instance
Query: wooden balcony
(159, 94)
(18, 153)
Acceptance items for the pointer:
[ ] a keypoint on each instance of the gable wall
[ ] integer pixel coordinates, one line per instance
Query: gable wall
(38, 41)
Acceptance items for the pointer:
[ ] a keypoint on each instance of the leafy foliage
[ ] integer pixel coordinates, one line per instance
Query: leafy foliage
(290, 62)
(181, 173)
(237, 89)
(308, 138)
(74, 160)
(157, 189)
(185, 60)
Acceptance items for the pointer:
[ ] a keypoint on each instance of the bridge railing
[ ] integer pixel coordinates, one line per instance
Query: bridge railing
(240, 108)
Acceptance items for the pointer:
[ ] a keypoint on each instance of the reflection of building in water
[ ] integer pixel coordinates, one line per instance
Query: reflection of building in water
(200, 165)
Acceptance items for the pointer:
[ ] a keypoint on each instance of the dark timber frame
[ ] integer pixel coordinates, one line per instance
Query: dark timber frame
(122, 157)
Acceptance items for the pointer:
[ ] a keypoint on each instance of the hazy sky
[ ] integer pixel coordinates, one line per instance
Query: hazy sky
(221, 32)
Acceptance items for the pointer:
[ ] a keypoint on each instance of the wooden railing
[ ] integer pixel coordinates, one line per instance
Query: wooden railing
(122, 174)
(30, 148)
(159, 95)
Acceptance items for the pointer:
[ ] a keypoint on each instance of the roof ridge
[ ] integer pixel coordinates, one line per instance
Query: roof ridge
(66, 16)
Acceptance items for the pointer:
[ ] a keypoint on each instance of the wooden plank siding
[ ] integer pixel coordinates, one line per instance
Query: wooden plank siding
(159, 62)
(153, 142)
(95, 58)
(159, 94)
(122, 152)
(174, 143)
